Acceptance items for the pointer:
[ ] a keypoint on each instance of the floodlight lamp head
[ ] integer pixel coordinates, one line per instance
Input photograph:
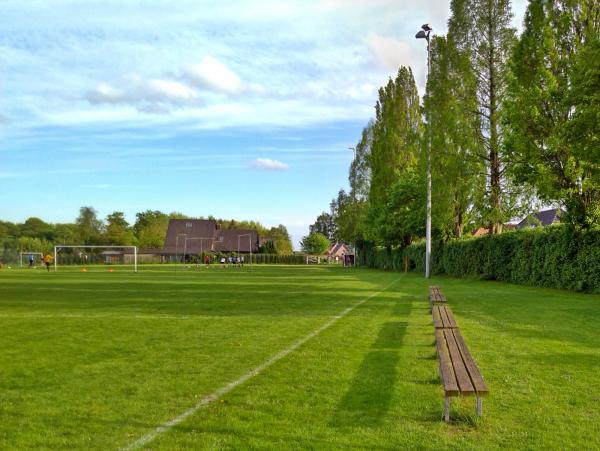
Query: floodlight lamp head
(421, 35)
(426, 27)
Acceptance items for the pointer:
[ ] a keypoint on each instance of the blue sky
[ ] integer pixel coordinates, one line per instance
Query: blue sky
(237, 109)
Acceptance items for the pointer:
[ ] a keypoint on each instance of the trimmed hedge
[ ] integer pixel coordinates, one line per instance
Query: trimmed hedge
(553, 257)
(289, 259)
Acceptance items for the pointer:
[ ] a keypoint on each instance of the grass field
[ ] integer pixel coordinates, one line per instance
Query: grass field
(98, 360)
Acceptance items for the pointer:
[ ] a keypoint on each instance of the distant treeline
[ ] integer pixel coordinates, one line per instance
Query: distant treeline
(148, 231)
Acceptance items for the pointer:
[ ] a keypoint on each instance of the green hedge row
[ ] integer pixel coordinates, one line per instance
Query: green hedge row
(291, 259)
(554, 257)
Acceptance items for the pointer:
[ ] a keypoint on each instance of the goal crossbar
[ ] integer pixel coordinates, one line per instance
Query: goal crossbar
(57, 248)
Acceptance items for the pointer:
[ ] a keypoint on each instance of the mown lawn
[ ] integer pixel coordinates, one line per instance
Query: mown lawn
(97, 360)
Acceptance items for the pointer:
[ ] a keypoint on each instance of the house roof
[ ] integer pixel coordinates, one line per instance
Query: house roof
(194, 236)
(187, 233)
(543, 218)
(338, 249)
(236, 240)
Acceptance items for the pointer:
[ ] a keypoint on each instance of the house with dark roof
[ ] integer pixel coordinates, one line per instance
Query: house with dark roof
(236, 240)
(543, 218)
(194, 236)
(338, 250)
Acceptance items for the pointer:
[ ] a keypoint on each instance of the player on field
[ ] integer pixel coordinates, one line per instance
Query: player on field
(47, 260)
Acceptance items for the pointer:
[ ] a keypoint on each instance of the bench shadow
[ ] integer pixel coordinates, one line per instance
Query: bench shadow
(391, 335)
(403, 307)
(368, 399)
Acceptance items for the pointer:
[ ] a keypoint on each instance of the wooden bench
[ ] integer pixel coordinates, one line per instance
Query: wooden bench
(443, 318)
(436, 296)
(458, 371)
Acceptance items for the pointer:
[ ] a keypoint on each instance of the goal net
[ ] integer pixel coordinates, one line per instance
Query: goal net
(82, 255)
(31, 258)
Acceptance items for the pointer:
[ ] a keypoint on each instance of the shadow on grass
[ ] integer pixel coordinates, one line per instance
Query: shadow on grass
(403, 307)
(391, 336)
(368, 399)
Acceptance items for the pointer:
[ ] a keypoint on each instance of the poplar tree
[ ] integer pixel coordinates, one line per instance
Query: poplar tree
(489, 36)
(351, 207)
(449, 104)
(395, 149)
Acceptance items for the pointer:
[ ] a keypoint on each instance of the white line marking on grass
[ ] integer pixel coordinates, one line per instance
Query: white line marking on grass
(214, 396)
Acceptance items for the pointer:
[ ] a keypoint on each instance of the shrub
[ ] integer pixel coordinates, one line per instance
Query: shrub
(554, 257)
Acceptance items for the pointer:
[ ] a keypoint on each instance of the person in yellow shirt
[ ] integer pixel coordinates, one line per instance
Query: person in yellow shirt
(47, 260)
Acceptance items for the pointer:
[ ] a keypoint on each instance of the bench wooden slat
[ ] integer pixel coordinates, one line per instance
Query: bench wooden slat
(443, 317)
(449, 320)
(437, 318)
(474, 373)
(460, 370)
(446, 371)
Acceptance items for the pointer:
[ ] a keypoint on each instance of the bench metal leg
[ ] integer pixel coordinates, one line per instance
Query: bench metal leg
(447, 409)
(479, 406)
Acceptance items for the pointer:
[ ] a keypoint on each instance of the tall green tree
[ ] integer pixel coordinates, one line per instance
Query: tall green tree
(553, 106)
(453, 129)
(315, 243)
(151, 228)
(489, 41)
(351, 208)
(359, 175)
(281, 239)
(118, 231)
(325, 225)
(36, 228)
(89, 226)
(394, 151)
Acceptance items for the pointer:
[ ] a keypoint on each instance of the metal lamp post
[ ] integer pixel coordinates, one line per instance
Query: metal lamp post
(424, 33)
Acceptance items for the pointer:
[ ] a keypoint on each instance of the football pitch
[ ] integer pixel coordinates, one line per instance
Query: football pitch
(286, 357)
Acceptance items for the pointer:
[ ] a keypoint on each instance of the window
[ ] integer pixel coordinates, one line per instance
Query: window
(188, 225)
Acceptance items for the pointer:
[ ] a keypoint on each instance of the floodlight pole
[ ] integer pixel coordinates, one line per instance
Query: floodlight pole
(425, 34)
(177, 244)
(249, 235)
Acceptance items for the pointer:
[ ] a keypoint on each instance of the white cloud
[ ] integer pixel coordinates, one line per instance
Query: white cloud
(211, 74)
(105, 93)
(150, 96)
(267, 164)
(389, 52)
(168, 91)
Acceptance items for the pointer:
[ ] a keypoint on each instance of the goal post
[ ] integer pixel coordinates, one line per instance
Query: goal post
(21, 254)
(58, 248)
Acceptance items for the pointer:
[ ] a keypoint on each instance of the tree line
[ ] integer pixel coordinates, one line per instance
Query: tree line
(510, 123)
(148, 231)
